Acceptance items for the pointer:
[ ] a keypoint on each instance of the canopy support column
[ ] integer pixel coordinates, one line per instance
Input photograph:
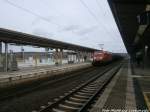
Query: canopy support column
(6, 57)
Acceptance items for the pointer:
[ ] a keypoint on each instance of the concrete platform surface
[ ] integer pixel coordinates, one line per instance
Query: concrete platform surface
(141, 79)
(33, 73)
(126, 92)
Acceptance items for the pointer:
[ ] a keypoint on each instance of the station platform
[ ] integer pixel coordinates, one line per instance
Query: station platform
(126, 92)
(33, 73)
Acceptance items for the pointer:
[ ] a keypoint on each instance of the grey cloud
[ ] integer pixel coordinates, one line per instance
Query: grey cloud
(86, 30)
(41, 32)
(47, 19)
(71, 28)
(65, 20)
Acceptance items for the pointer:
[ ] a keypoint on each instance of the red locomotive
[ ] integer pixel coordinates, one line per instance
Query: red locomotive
(101, 58)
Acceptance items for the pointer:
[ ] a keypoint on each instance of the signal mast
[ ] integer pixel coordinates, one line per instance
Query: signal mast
(101, 46)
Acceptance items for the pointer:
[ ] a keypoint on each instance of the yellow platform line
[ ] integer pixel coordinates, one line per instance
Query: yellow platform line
(146, 99)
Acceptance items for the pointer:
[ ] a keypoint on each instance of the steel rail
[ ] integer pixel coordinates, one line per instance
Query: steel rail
(80, 98)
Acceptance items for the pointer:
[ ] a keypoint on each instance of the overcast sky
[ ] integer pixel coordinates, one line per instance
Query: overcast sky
(84, 22)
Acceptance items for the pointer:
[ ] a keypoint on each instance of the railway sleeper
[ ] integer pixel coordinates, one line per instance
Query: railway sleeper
(94, 88)
(81, 96)
(86, 91)
(67, 108)
(77, 99)
(92, 85)
(89, 89)
(57, 110)
(73, 103)
(83, 93)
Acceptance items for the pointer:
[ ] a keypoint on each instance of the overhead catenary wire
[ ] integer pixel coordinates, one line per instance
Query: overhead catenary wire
(59, 12)
(43, 18)
(104, 13)
(68, 19)
(47, 20)
(32, 13)
(95, 17)
(55, 10)
(89, 10)
(92, 14)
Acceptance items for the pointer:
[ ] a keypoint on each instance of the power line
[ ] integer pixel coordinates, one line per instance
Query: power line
(95, 17)
(28, 11)
(46, 19)
(60, 14)
(100, 6)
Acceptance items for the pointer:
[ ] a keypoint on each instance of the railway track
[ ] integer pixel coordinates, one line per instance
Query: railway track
(23, 90)
(31, 88)
(81, 97)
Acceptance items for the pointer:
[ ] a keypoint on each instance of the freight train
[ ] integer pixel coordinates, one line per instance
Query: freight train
(104, 57)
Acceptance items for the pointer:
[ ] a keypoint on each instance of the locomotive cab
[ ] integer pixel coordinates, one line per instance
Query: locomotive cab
(101, 58)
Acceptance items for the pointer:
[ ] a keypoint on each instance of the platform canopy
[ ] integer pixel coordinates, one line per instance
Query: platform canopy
(19, 38)
(133, 19)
